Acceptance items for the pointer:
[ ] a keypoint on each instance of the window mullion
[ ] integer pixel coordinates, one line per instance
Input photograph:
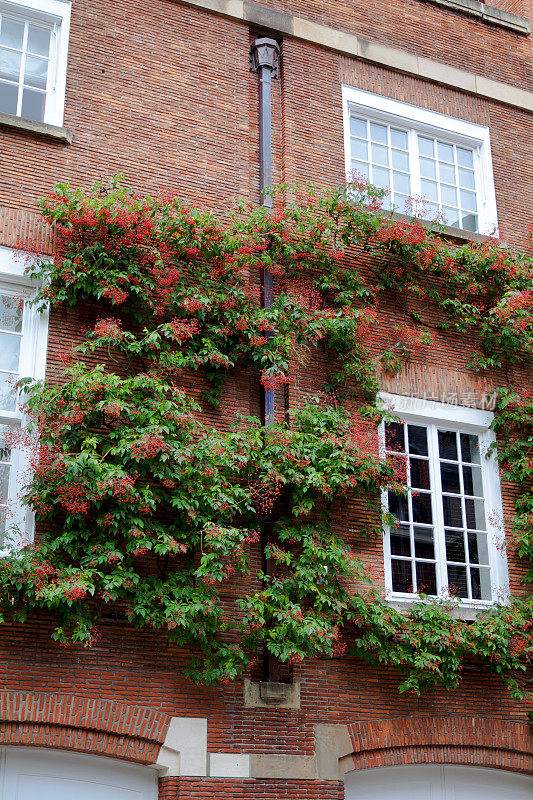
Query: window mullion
(438, 512)
(414, 168)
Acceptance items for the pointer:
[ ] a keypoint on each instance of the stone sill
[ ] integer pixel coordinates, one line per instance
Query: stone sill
(468, 611)
(36, 128)
(455, 234)
(494, 16)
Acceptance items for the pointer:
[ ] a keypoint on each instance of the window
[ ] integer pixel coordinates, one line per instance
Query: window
(23, 341)
(448, 538)
(435, 166)
(33, 53)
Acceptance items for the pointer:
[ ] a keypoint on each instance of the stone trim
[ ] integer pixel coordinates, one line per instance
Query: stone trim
(184, 750)
(490, 14)
(271, 695)
(354, 46)
(36, 128)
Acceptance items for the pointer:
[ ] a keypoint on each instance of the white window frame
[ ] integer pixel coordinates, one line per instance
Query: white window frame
(420, 411)
(32, 365)
(57, 14)
(420, 120)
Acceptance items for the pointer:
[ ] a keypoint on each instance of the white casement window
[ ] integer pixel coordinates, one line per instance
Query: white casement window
(435, 166)
(23, 343)
(448, 539)
(33, 58)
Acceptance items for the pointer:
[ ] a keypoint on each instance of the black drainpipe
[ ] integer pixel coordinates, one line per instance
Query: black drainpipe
(264, 60)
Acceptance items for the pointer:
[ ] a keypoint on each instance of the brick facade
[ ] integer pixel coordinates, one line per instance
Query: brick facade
(162, 91)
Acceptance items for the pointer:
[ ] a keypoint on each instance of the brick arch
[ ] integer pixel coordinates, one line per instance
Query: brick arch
(82, 724)
(462, 740)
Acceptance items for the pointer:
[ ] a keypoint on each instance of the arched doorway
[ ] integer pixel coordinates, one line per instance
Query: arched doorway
(28, 773)
(437, 783)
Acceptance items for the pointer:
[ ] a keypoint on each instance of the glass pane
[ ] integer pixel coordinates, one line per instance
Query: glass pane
(426, 579)
(400, 541)
(394, 436)
(398, 506)
(457, 581)
(3, 523)
(11, 313)
(450, 216)
(449, 475)
(473, 483)
(466, 179)
(8, 98)
(468, 200)
(429, 189)
(359, 149)
(358, 127)
(398, 138)
(378, 133)
(430, 210)
(12, 33)
(469, 222)
(8, 393)
(455, 546)
(447, 173)
(428, 168)
(9, 64)
(426, 147)
(453, 514)
(448, 445)
(33, 104)
(465, 157)
(401, 182)
(422, 509)
(475, 514)
(360, 169)
(403, 203)
(380, 155)
(470, 448)
(35, 72)
(39, 40)
(4, 482)
(381, 177)
(448, 195)
(478, 548)
(400, 160)
(418, 440)
(9, 351)
(480, 579)
(424, 543)
(402, 580)
(445, 151)
(419, 474)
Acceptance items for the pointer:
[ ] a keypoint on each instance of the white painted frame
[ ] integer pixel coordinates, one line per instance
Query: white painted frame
(32, 365)
(55, 13)
(420, 120)
(467, 420)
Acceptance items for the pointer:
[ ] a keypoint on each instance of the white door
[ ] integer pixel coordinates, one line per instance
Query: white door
(437, 783)
(39, 774)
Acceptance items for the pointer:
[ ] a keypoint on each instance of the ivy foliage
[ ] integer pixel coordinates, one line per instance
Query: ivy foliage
(149, 510)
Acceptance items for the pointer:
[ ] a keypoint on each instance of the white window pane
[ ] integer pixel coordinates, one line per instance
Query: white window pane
(481, 588)
(475, 514)
(400, 160)
(478, 548)
(33, 104)
(447, 173)
(448, 195)
(426, 579)
(466, 179)
(358, 127)
(455, 546)
(457, 581)
(360, 169)
(3, 523)
(402, 576)
(380, 155)
(470, 448)
(35, 72)
(404, 203)
(398, 138)
(472, 482)
(451, 217)
(8, 98)
(359, 149)
(378, 133)
(381, 177)
(39, 40)
(445, 151)
(429, 189)
(9, 65)
(11, 32)
(9, 351)
(8, 394)
(468, 200)
(469, 222)
(428, 168)
(400, 541)
(4, 482)
(426, 147)
(429, 210)
(465, 157)
(10, 313)
(401, 182)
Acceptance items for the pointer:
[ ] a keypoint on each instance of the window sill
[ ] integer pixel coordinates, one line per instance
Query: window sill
(456, 234)
(489, 14)
(466, 610)
(36, 128)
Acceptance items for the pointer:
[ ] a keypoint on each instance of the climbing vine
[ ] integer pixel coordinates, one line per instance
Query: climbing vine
(150, 504)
